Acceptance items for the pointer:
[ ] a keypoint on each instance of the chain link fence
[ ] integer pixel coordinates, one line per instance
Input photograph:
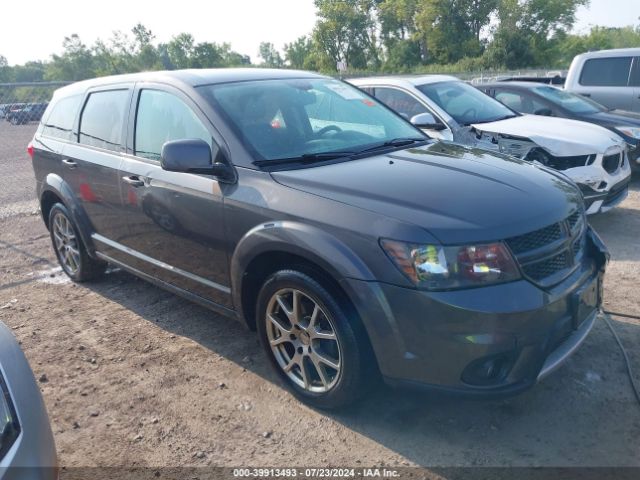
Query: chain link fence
(21, 108)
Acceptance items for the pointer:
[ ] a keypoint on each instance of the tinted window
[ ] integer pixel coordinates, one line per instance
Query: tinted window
(102, 119)
(59, 122)
(606, 72)
(163, 117)
(520, 102)
(401, 102)
(572, 102)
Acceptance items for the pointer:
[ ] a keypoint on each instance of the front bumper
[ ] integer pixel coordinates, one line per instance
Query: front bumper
(600, 202)
(446, 340)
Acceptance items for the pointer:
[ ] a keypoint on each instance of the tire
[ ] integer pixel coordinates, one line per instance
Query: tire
(325, 386)
(69, 248)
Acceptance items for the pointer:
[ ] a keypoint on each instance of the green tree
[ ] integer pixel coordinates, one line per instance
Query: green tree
(75, 63)
(298, 52)
(270, 55)
(180, 49)
(528, 31)
(345, 32)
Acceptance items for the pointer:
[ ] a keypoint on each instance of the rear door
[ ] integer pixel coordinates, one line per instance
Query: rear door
(606, 80)
(93, 159)
(175, 219)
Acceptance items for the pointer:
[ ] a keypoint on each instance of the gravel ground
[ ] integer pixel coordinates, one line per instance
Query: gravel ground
(136, 376)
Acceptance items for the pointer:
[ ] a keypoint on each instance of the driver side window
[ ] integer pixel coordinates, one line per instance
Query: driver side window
(162, 117)
(401, 102)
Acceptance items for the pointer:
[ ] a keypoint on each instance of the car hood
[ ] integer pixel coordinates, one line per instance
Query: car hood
(559, 136)
(459, 194)
(615, 118)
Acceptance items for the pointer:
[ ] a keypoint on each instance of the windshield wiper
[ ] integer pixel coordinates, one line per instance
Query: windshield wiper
(305, 158)
(396, 142)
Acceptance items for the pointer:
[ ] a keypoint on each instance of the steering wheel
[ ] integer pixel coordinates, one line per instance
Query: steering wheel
(469, 111)
(327, 129)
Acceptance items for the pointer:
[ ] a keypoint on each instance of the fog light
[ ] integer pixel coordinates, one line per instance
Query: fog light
(487, 371)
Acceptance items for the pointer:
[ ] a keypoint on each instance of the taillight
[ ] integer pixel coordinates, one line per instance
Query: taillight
(30, 150)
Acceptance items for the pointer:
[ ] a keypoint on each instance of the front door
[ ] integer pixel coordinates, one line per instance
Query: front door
(176, 231)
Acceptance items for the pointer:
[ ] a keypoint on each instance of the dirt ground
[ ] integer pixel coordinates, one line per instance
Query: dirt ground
(135, 376)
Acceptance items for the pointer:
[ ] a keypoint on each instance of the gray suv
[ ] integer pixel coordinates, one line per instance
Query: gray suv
(356, 246)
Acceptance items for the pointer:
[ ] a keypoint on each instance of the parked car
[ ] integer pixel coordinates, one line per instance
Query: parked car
(447, 108)
(19, 114)
(533, 98)
(610, 77)
(4, 109)
(27, 449)
(354, 244)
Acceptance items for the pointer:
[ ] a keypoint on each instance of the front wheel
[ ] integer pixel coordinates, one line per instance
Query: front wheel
(71, 252)
(310, 340)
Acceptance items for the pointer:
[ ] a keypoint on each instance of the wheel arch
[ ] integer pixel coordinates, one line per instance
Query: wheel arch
(56, 190)
(275, 246)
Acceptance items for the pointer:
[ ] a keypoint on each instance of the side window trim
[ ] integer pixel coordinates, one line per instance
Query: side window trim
(634, 74)
(125, 121)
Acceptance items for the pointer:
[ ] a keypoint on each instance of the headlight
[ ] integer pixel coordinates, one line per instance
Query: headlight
(9, 427)
(629, 131)
(435, 267)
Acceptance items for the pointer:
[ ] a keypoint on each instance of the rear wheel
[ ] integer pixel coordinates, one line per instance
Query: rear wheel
(71, 252)
(311, 342)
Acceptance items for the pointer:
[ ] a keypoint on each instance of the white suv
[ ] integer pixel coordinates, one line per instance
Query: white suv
(447, 108)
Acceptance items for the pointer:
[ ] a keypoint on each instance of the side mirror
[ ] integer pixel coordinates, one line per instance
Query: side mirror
(543, 111)
(427, 120)
(191, 156)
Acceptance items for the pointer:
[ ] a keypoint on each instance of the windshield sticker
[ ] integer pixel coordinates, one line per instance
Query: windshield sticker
(345, 92)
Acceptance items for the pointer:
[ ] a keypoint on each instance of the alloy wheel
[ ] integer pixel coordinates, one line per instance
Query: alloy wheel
(66, 243)
(303, 340)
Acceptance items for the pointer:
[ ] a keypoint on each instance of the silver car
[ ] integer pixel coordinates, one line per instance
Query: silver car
(27, 449)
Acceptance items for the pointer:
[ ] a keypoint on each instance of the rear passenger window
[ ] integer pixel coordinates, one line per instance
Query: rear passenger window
(102, 119)
(59, 123)
(606, 72)
(163, 117)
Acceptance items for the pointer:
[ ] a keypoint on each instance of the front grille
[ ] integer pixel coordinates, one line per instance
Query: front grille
(611, 163)
(548, 255)
(545, 268)
(575, 220)
(536, 239)
(564, 163)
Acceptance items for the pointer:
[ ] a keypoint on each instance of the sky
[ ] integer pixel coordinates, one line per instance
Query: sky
(243, 23)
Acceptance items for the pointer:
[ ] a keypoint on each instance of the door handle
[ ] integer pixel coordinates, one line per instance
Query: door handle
(133, 180)
(70, 163)
(586, 94)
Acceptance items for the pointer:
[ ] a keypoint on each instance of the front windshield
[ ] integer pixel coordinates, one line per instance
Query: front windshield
(465, 104)
(292, 118)
(570, 101)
